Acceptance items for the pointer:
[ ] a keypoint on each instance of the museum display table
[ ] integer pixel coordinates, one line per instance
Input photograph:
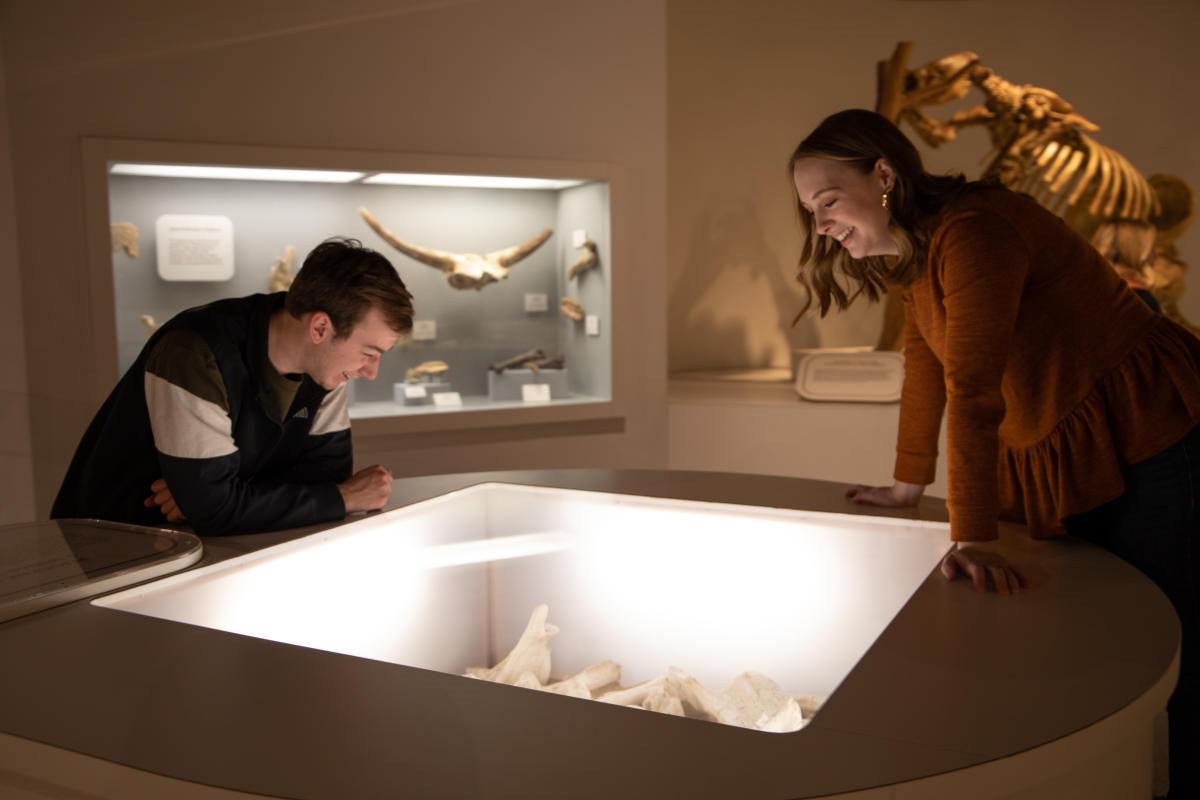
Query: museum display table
(1044, 694)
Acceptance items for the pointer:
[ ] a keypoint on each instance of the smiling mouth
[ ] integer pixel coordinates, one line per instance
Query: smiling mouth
(841, 237)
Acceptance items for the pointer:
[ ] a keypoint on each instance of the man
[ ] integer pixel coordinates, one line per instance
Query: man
(234, 418)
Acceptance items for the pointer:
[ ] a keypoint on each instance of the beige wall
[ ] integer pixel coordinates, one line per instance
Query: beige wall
(583, 80)
(748, 79)
(16, 453)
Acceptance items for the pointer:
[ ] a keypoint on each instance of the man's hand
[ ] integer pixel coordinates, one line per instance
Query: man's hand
(983, 566)
(367, 490)
(898, 494)
(160, 496)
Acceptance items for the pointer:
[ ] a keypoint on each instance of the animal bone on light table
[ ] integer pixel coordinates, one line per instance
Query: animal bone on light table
(463, 270)
(752, 700)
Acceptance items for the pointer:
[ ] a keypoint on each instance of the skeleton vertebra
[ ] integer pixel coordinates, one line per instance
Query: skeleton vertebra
(463, 270)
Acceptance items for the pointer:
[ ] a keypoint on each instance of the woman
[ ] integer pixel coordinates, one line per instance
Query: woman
(1069, 403)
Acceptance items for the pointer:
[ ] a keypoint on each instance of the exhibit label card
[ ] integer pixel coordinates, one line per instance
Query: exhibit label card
(414, 391)
(535, 393)
(447, 399)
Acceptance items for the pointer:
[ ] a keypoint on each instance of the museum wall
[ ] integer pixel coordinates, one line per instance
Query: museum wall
(523, 79)
(16, 454)
(748, 79)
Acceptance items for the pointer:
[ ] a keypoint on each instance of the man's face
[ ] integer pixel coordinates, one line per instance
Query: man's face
(336, 361)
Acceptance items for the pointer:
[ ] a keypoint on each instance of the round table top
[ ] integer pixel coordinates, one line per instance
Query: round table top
(958, 678)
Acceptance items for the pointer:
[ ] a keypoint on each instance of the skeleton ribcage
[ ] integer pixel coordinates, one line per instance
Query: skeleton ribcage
(1075, 176)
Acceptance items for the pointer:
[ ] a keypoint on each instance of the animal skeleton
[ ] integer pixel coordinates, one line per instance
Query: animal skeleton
(1038, 139)
(587, 259)
(413, 374)
(1040, 146)
(571, 309)
(124, 236)
(279, 276)
(463, 270)
(752, 700)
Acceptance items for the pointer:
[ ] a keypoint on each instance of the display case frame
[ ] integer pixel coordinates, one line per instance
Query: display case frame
(586, 417)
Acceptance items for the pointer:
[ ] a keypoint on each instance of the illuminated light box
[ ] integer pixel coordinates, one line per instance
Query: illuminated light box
(450, 583)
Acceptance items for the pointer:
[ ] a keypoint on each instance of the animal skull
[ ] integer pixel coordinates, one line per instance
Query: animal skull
(463, 270)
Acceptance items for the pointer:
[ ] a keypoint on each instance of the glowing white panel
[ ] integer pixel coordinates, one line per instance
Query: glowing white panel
(235, 173)
(469, 181)
(450, 583)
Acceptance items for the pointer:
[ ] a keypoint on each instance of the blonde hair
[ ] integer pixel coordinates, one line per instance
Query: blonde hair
(861, 138)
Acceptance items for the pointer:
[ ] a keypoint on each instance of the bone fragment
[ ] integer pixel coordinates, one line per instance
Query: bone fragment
(413, 374)
(752, 701)
(571, 309)
(279, 276)
(574, 686)
(516, 360)
(149, 323)
(125, 237)
(531, 653)
(463, 270)
(587, 259)
(635, 695)
(665, 700)
(594, 677)
(548, 362)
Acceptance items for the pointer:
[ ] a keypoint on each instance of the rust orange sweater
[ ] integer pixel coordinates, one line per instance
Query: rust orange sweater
(1051, 372)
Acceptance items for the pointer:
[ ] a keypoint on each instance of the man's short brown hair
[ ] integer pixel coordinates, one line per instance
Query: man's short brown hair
(345, 279)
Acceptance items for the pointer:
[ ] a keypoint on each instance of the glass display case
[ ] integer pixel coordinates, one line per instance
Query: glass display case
(189, 232)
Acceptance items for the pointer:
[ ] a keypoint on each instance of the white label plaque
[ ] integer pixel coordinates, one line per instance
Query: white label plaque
(193, 247)
(447, 399)
(535, 392)
(414, 391)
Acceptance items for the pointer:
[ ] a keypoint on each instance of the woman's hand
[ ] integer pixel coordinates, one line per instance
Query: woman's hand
(896, 495)
(983, 566)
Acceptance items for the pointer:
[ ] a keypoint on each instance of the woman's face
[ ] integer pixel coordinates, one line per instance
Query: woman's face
(846, 204)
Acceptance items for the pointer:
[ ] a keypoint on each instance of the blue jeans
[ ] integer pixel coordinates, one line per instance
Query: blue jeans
(1155, 526)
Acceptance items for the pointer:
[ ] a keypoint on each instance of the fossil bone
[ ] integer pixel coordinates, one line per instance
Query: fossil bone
(124, 236)
(517, 360)
(547, 362)
(587, 259)
(279, 276)
(413, 374)
(531, 654)
(463, 270)
(571, 309)
(149, 323)
(752, 700)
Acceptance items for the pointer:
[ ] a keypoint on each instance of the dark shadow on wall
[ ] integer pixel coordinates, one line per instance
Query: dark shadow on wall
(729, 238)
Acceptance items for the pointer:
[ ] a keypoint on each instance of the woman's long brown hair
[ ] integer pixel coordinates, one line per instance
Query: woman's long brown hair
(860, 138)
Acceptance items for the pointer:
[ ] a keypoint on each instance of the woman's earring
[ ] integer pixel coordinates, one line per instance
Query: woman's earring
(885, 199)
